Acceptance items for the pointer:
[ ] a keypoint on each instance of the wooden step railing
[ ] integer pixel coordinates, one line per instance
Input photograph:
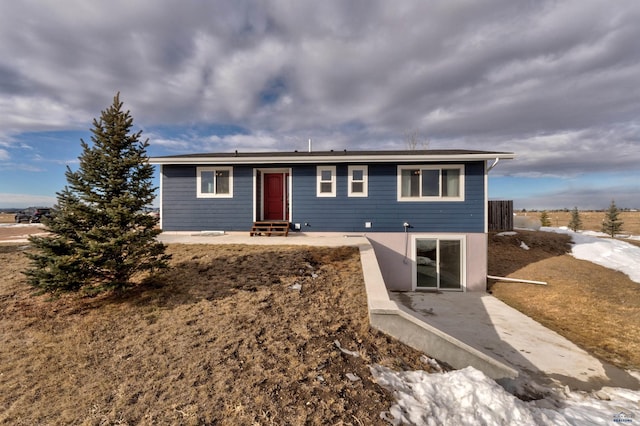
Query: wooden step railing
(268, 228)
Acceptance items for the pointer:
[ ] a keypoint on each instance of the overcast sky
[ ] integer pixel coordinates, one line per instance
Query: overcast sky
(556, 82)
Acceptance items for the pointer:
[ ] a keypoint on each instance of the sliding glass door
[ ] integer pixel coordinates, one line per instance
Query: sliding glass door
(439, 263)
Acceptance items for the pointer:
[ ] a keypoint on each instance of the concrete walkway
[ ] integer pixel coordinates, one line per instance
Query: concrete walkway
(458, 328)
(294, 238)
(541, 356)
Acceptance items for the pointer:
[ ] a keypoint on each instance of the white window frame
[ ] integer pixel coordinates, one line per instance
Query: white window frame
(364, 181)
(440, 167)
(319, 170)
(439, 237)
(200, 170)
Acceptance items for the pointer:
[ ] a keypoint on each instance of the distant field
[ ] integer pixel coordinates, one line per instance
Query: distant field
(591, 221)
(6, 217)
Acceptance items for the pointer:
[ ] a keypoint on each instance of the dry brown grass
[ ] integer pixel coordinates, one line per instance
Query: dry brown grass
(591, 221)
(221, 338)
(595, 307)
(7, 218)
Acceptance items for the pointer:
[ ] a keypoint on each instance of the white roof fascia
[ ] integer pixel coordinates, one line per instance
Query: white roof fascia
(327, 159)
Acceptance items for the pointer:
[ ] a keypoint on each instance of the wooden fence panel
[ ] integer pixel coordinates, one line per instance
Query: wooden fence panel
(501, 215)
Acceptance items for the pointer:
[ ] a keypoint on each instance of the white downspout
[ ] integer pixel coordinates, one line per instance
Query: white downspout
(495, 163)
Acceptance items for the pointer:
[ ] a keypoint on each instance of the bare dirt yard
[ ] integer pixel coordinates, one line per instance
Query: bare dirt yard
(233, 335)
(596, 308)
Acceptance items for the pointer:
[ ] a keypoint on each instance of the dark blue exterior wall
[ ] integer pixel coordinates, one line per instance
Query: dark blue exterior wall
(183, 211)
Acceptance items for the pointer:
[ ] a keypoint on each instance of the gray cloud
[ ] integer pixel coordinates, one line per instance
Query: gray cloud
(556, 82)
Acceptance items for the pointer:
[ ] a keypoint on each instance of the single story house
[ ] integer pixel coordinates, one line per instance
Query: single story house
(424, 212)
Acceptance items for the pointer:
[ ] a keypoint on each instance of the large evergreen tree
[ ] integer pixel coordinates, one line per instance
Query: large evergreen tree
(576, 222)
(611, 224)
(99, 234)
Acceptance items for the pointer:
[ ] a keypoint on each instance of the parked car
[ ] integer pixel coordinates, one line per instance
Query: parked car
(23, 216)
(38, 214)
(32, 215)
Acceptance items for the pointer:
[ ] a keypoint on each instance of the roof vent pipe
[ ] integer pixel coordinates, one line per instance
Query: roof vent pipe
(309, 144)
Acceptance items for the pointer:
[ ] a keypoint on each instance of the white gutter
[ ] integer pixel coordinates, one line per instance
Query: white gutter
(334, 158)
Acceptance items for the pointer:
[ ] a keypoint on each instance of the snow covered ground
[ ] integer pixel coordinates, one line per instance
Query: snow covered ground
(607, 252)
(468, 397)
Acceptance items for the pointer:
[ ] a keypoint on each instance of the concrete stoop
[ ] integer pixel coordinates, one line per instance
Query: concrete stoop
(388, 317)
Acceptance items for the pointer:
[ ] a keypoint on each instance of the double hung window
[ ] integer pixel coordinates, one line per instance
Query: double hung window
(326, 177)
(215, 182)
(358, 177)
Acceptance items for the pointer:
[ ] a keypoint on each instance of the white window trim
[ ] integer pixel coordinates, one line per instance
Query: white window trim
(463, 262)
(319, 181)
(365, 181)
(431, 167)
(201, 194)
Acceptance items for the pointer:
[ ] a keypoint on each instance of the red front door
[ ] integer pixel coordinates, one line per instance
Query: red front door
(274, 196)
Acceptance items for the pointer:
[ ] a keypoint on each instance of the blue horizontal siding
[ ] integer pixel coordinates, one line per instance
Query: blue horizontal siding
(381, 207)
(182, 210)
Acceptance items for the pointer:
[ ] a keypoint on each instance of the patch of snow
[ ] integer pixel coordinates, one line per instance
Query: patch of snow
(468, 396)
(594, 233)
(523, 245)
(345, 351)
(610, 253)
(506, 233)
(352, 377)
(435, 366)
(461, 397)
(635, 374)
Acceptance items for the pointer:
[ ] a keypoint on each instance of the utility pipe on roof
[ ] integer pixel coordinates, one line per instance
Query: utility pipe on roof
(309, 144)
